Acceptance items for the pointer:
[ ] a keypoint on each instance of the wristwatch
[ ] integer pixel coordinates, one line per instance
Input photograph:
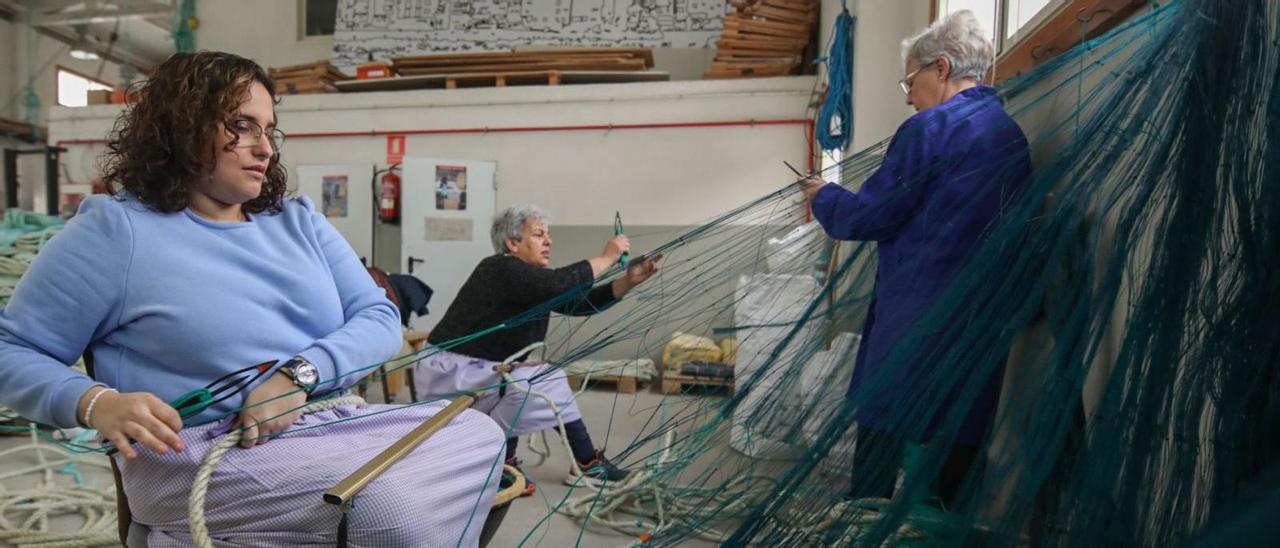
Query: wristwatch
(302, 372)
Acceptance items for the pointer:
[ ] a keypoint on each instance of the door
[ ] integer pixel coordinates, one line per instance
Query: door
(447, 207)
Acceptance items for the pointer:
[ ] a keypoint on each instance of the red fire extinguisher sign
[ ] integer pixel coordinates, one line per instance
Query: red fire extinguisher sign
(395, 149)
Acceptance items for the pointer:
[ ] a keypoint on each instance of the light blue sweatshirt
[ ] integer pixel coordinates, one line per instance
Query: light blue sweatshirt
(168, 303)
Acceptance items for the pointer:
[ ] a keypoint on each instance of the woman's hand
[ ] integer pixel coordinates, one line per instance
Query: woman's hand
(133, 416)
(810, 186)
(613, 250)
(638, 271)
(616, 246)
(261, 421)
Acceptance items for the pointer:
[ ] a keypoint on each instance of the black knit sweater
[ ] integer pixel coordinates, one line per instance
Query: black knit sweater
(502, 287)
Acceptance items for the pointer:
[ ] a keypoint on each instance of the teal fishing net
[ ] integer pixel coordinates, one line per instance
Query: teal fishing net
(1125, 304)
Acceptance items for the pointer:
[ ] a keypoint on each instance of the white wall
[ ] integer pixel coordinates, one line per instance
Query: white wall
(655, 176)
(879, 105)
(267, 32)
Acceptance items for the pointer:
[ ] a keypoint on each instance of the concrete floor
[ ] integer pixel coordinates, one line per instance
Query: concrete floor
(613, 419)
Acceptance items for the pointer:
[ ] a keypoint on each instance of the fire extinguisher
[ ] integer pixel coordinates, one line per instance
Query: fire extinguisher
(389, 196)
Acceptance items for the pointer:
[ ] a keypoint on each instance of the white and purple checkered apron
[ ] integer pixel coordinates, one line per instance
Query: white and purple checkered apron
(442, 374)
(270, 495)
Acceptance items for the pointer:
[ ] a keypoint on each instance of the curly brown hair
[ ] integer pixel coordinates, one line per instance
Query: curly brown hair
(163, 142)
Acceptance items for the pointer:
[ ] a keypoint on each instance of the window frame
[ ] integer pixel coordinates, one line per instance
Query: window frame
(57, 83)
(302, 25)
(1052, 30)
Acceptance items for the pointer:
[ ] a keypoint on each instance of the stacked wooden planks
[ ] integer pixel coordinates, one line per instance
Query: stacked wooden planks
(317, 77)
(764, 38)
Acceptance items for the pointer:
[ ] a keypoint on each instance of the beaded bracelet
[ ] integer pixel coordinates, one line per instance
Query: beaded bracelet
(88, 411)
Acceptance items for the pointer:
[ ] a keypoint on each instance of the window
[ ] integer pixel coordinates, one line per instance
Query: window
(984, 10)
(1019, 13)
(317, 17)
(73, 88)
(1003, 19)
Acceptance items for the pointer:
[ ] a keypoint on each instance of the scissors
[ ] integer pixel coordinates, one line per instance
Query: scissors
(218, 391)
(196, 401)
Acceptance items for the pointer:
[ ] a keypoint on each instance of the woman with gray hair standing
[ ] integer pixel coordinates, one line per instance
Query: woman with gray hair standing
(506, 285)
(949, 173)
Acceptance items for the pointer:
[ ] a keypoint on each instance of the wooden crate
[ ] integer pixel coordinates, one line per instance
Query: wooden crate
(675, 383)
(624, 384)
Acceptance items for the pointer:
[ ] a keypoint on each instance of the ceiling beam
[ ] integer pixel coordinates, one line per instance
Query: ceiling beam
(114, 56)
(101, 15)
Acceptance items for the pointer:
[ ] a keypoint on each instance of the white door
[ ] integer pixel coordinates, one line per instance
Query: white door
(343, 193)
(447, 207)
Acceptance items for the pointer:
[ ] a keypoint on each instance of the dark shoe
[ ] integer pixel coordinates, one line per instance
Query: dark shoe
(598, 469)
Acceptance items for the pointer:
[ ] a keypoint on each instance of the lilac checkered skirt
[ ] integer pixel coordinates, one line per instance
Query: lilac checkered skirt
(442, 374)
(270, 495)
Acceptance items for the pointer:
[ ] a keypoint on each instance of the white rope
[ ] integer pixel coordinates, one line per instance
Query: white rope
(606, 498)
(25, 513)
(657, 504)
(507, 378)
(200, 487)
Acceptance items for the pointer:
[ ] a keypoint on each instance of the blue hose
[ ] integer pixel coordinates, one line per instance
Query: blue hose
(835, 118)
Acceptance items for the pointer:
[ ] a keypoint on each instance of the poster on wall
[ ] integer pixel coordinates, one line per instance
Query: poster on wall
(334, 203)
(451, 188)
(343, 193)
(382, 29)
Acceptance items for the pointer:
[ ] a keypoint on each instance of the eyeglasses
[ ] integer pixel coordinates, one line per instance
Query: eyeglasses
(910, 80)
(249, 134)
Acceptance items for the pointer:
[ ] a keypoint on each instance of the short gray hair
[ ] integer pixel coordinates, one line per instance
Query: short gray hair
(959, 38)
(509, 225)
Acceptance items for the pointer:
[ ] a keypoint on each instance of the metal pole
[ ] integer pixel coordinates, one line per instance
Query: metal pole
(51, 180)
(346, 489)
(10, 178)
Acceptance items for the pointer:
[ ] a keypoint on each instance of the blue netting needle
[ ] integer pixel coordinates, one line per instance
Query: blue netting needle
(617, 231)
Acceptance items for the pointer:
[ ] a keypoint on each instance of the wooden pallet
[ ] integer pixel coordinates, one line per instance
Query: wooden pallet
(530, 66)
(625, 384)
(308, 85)
(440, 81)
(525, 59)
(675, 383)
(502, 79)
(313, 70)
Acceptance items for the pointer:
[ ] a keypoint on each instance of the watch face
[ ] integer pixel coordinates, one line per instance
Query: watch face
(307, 374)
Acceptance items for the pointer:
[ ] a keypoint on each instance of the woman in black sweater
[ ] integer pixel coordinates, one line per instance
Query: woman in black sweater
(509, 284)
